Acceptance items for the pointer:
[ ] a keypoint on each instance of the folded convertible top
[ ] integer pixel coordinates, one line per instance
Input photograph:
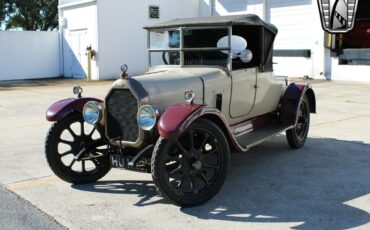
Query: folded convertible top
(246, 19)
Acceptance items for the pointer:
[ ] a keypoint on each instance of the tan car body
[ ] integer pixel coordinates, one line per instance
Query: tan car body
(244, 91)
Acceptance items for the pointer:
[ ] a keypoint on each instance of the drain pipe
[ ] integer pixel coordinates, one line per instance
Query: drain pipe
(264, 8)
(89, 65)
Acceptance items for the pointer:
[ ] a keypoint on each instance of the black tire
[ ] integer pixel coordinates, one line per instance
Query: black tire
(190, 159)
(96, 157)
(297, 136)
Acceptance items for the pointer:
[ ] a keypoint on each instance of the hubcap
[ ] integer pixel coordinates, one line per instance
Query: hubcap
(197, 165)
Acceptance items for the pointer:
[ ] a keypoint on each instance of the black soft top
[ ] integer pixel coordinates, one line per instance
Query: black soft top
(245, 19)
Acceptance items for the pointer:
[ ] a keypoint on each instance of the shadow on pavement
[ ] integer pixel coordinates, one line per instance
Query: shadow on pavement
(144, 189)
(274, 184)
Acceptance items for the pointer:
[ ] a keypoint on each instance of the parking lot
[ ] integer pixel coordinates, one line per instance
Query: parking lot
(324, 185)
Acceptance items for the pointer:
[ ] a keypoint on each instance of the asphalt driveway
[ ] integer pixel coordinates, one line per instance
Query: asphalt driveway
(324, 185)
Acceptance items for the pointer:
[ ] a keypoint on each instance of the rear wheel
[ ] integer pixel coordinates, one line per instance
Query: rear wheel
(65, 139)
(297, 136)
(191, 169)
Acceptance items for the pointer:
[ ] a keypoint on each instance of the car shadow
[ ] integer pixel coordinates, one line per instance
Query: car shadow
(310, 187)
(145, 190)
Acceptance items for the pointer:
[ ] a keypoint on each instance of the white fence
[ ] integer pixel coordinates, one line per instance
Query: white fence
(29, 55)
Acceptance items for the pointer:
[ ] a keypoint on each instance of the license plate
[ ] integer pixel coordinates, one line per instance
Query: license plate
(117, 161)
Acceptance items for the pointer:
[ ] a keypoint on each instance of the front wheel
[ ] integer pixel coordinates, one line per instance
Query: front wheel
(191, 169)
(297, 136)
(65, 139)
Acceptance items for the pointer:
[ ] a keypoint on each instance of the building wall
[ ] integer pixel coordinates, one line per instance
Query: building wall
(356, 73)
(29, 55)
(122, 39)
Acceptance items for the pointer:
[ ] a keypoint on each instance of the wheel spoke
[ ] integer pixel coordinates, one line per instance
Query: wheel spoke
(82, 128)
(192, 184)
(71, 132)
(182, 149)
(175, 171)
(204, 178)
(66, 142)
(72, 163)
(66, 153)
(92, 132)
(208, 154)
(191, 140)
(210, 166)
(83, 166)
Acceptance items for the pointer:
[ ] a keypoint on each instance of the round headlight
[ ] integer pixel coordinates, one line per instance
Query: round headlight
(92, 112)
(147, 117)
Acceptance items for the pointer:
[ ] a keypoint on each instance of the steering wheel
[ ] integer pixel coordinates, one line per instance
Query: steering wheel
(174, 57)
(164, 57)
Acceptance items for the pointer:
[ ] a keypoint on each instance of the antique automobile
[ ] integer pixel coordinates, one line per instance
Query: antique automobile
(210, 90)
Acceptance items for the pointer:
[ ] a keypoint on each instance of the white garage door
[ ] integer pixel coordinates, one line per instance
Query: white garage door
(293, 18)
(297, 30)
(230, 7)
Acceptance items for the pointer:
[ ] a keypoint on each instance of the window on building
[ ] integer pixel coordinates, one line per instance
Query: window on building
(154, 12)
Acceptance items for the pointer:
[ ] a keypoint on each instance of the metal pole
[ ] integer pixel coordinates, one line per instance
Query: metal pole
(148, 47)
(230, 54)
(89, 65)
(182, 61)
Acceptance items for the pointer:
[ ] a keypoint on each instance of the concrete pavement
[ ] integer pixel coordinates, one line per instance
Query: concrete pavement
(324, 185)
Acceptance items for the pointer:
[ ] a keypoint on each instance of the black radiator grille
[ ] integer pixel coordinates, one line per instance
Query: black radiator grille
(122, 107)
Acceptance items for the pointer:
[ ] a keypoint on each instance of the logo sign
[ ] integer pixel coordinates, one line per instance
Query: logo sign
(338, 16)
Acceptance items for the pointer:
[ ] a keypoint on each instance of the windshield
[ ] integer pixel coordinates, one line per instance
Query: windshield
(189, 46)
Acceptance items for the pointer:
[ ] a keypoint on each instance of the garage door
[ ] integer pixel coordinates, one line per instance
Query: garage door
(297, 31)
(294, 21)
(292, 17)
(230, 7)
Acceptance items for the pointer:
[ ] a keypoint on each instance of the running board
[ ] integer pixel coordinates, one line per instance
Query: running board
(254, 138)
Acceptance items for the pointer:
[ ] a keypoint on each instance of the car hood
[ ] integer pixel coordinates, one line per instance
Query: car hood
(164, 86)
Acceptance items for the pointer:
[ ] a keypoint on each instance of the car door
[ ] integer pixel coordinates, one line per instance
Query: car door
(243, 91)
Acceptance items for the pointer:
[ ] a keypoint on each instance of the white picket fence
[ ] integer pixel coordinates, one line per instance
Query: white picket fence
(29, 55)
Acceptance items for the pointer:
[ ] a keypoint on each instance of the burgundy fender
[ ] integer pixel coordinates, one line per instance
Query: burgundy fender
(180, 116)
(171, 120)
(291, 101)
(62, 108)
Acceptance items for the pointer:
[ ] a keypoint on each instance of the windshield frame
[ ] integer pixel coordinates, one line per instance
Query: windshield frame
(181, 49)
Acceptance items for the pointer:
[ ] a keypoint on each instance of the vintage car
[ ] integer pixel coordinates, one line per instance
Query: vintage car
(210, 90)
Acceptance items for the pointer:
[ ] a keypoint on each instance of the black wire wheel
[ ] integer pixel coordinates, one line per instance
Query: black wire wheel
(297, 136)
(191, 169)
(66, 140)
